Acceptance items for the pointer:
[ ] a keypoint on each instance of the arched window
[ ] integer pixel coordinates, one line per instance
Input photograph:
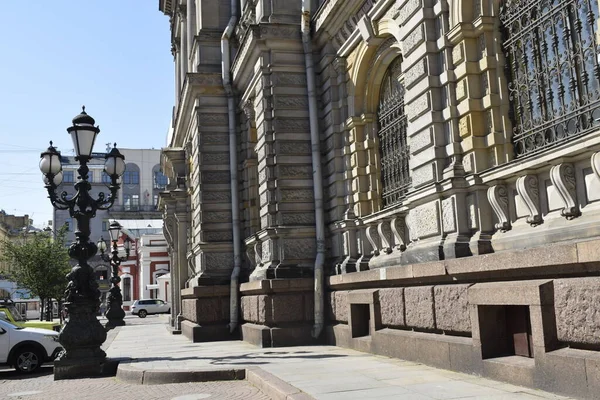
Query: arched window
(393, 149)
(553, 70)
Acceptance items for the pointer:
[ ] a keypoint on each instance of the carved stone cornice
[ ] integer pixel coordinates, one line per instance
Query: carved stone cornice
(195, 84)
(528, 189)
(498, 198)
(563, 179)
(173, 165)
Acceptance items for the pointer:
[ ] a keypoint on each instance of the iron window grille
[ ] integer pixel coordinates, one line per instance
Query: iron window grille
(393, 147)
(553, 69)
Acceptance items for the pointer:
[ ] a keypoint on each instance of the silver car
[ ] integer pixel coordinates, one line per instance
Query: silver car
(141, 308)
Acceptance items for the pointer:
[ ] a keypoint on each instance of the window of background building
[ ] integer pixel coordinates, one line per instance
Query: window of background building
(69, 224)
(105, 224)
(91, 176)
(131, 202)
(554, 73)
(131, 178)
(68, 176)
(105, 177)
(160, 180)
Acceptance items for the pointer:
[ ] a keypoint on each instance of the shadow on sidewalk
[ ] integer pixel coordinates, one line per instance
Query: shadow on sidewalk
(247, 359)
(11, 374)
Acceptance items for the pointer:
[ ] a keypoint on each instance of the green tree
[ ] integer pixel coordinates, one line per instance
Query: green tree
(40, 264)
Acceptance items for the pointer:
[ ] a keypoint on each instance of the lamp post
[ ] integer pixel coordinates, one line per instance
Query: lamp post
(114, 313)
(82, 334)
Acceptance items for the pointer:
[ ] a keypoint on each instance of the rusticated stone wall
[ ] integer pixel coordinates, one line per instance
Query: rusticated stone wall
(440, 308)
(577, 305)
(269, 309)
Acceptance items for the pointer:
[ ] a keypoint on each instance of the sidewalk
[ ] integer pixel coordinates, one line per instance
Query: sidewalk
(323, 372)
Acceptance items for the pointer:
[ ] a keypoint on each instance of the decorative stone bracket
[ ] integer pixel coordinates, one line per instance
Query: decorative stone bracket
(387, 236)
(498, 198)
(528, 189)
(563, 179)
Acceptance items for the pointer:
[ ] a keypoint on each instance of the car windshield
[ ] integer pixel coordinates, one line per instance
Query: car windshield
(15, 313)
(7, 324)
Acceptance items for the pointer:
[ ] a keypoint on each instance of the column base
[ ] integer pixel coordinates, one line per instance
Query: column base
(280, 336)
(207, 333)
(114, 323)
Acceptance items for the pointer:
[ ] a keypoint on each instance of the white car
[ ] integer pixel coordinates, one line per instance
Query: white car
(141, 308)
(26, 349)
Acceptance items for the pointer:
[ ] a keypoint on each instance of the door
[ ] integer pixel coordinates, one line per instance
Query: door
(518, 325)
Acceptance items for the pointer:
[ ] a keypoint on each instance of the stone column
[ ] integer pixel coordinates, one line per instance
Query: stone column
(191, 32)
(167, 205)
(175, 53)
(182, 217)
(183, 48)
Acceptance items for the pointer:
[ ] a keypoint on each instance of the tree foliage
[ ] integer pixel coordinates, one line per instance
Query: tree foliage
(38, 263)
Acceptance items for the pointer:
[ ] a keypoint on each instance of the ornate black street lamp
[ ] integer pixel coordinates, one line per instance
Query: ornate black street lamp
(82, 334)
(114, 313)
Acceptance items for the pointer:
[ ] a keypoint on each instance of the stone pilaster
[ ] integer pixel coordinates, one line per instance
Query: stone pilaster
(211, 231)
(283, 148)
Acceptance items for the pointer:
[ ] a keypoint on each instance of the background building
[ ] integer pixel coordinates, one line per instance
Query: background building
(12, 227)
(137, 199)
(440, 160)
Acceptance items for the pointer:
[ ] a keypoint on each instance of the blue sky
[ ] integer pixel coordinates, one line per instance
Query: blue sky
(113, 56)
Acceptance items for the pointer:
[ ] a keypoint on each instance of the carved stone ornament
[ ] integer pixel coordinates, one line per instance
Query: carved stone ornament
(563, 179)
(373, 238)
(385, 234)
(399, 230)
(596, 164)
(528, 189)
(498, 198)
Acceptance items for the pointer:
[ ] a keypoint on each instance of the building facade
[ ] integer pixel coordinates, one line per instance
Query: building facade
(413, 178)
(12, 227)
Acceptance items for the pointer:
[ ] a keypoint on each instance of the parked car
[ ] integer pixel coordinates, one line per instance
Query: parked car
(141, 308)
(9, 312)
(26, 349)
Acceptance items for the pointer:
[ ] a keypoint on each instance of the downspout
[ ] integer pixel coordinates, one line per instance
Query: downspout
(233, 165)
(315, 141)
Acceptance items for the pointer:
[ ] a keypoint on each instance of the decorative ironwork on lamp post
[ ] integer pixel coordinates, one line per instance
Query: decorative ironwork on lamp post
(114, 312)
(82, 334)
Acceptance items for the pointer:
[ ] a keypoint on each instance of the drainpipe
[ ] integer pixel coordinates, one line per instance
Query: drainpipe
(315, 140)
(233, 165)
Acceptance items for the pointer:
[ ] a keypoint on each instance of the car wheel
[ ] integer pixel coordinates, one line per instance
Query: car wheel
(142, 313)
(27, 360)
(168, 311)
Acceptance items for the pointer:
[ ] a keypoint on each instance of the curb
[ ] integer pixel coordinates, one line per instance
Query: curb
(268, 383)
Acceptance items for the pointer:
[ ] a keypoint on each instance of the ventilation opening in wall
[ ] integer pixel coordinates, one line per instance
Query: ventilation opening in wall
(505, 331)
(361, 318)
